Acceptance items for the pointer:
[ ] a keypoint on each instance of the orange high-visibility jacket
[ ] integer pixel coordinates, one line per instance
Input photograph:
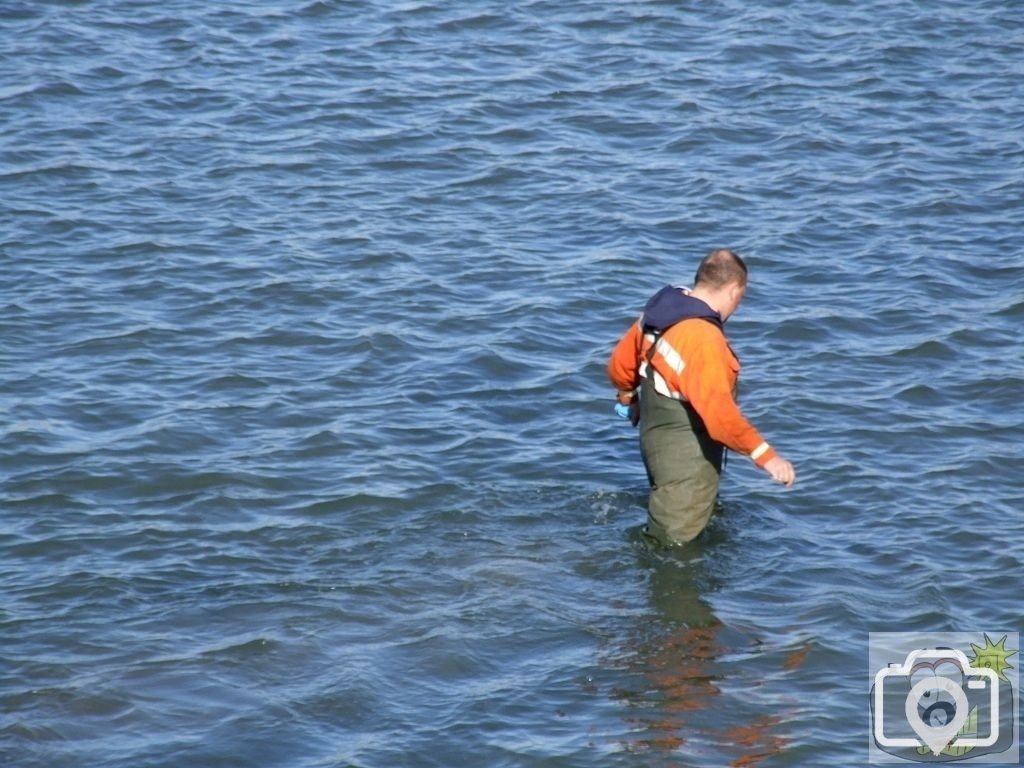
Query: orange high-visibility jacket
(691, 362)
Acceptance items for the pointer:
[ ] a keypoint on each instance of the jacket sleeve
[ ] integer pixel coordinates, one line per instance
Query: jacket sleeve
(624, 365)
(708, 380)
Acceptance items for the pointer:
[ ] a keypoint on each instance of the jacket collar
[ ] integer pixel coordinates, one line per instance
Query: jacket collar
(672, 305)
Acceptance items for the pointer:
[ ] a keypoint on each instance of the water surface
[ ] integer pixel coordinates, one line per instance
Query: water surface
(307, 453)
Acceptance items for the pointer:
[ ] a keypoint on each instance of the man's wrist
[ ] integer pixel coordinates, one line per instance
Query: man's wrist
(625, 396)
(763, 454)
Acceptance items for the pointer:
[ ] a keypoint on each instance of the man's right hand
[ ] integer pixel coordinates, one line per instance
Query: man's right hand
(781, 471)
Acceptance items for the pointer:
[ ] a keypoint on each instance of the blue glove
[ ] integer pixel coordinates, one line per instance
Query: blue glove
(622, 410)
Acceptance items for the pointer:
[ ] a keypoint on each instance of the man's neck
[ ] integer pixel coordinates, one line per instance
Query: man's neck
(712, 298)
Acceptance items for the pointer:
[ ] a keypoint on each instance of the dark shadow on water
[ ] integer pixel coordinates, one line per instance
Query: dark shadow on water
(674, 656)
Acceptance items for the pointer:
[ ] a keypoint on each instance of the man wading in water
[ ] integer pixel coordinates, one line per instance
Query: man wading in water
(678, 358)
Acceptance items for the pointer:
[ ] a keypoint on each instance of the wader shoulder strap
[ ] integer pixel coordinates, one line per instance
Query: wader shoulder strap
(655, 337)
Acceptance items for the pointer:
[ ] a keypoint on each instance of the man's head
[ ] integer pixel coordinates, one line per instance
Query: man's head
(721, 281)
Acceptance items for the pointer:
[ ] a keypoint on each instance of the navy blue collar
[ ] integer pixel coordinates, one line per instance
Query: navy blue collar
(670, 306)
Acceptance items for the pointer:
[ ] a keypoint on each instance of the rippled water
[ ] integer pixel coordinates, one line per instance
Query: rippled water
(308, 456)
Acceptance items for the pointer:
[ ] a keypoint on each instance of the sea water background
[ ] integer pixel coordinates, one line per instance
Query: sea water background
(307, 453)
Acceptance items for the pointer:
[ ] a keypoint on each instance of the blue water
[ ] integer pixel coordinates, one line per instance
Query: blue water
(307, 452)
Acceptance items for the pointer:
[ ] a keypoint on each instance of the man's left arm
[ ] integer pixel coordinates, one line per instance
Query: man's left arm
(708, 381)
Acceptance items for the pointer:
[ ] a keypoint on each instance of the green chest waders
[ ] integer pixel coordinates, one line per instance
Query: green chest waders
(683, 467)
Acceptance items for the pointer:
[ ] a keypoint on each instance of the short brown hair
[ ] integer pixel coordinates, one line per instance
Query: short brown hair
(721, 267)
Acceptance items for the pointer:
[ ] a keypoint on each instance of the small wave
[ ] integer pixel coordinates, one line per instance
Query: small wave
(474, 22)
(318, 9)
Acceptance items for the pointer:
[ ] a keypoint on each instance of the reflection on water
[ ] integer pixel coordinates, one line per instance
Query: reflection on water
(684, 701)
